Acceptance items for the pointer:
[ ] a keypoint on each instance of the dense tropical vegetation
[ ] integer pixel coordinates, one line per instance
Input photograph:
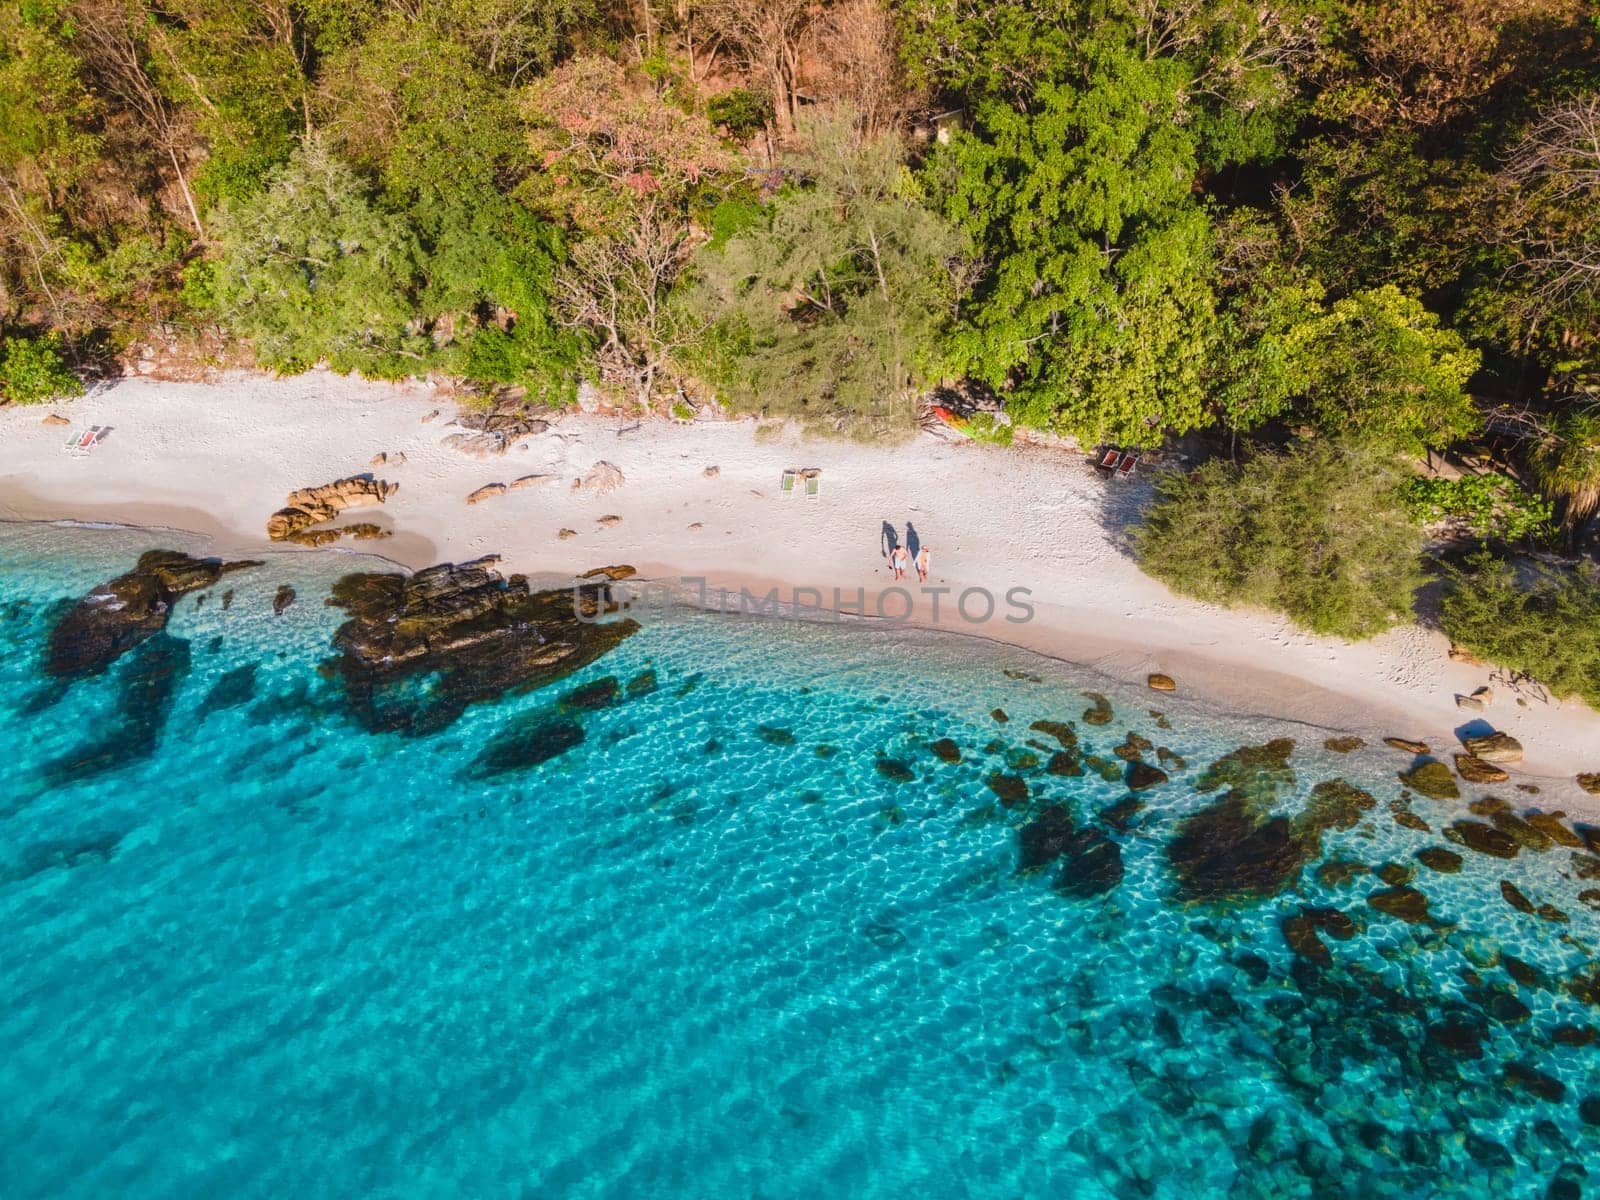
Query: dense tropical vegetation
(1131, 220)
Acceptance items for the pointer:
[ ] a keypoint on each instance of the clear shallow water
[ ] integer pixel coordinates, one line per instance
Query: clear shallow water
(278, 956)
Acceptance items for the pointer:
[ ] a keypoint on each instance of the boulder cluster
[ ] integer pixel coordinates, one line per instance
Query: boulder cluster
(125, 611)
(417, 650)
(307, 508)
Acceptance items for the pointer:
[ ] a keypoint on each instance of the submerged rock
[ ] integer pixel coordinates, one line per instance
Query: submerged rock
(1530, 1079)
(1101, 713)
(1301, 935)
(1261, 773)
(120, 614)
(1011, 789)
(1550, 824)
(147, 682)
(1060, 730)
(1142, 776)
(234, 688)
(946, 750)
(1063, 762)
(1045, 838)
(417, 650)
(282, 600)
(1485, 839)
(895, 771)
(1408, 904)
(1227, 851)
(1345, 744)
(1091, 865)
(590, 697)
(1512, 896)
(1437, 858)
(1336, 804)
(528, 742)
(1433, 780)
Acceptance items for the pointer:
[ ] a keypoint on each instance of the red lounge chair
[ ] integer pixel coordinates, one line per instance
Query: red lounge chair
(1108, 459)
(82, 443)
(1130, 460)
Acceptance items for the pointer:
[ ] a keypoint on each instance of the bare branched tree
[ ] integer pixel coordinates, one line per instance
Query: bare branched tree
(1553, 194)
(617, 288)
(108, 35)
(768, 37)
(858, 57)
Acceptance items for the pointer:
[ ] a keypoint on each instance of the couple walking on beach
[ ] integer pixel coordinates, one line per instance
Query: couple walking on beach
(902, 557)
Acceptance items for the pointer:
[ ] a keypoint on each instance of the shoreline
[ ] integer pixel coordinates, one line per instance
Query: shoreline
(214, 460)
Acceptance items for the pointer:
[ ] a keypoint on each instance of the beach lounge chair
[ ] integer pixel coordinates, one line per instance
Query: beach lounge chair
(813, 484)
(786, 487)
(1108, 459)
(1130, 460)
(82, 443)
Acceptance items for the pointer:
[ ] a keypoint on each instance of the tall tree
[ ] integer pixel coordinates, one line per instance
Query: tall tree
(833, 306)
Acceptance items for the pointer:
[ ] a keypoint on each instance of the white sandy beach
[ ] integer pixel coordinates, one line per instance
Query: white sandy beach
(219, 458)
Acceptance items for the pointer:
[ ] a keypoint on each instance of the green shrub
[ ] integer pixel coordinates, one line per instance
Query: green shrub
(987, 427)
(1490, 505)
(744, 112)
(1320, 533)
(1540, 621)
(32, 370)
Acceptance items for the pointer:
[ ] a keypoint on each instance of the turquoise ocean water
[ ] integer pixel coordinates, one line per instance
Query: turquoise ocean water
(721, 949)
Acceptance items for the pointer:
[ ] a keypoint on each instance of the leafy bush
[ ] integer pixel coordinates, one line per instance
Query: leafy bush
(743, 112)
(1320, 533)
(311, 269)
(987, 427)
(1490, 505)
(1542, 622)
(834, 310)
(33, 371)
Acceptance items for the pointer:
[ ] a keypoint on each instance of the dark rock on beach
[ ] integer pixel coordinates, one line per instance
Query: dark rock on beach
(119, 614)
(417, 650)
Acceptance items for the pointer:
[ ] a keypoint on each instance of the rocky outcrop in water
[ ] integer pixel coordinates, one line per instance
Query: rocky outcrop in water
(306, 507)
(120, 614)
(417, 650)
